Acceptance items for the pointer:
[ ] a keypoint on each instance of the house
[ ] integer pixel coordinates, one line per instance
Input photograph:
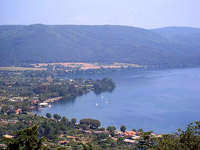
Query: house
(3, 121)
(87, 131)
(157, 135)
(73, 138)
(135, 137)
(3, 146)
(43, 104)
(18, 111)
(130, 133)
(12, 100)
(100, 132)
(20, 98)
(8, 136)
(128, 141)
(12, 121)
(119, 133)
(35, 101)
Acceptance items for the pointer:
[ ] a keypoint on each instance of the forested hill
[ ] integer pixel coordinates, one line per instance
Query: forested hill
(184, 35)
(103, 43)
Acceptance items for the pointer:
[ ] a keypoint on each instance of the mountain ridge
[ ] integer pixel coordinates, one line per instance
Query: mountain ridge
(93, 43)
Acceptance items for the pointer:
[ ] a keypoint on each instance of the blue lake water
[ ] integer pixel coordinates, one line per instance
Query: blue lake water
(158, 100)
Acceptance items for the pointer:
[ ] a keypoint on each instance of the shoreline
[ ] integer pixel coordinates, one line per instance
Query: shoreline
(51, 100)
(46, 103)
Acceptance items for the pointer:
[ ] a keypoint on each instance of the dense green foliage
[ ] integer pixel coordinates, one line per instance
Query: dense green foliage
(188, 139)
(26, 139)
(48, 115)
(45, 43)
(106, 84)
(92, 123)
(79, 87)
(123, 128)
(32, 137)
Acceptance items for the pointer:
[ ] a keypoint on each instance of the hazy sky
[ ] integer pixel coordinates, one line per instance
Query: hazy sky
(140, 13)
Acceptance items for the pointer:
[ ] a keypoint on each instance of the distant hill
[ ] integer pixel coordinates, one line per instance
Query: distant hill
(184, 35)
(103, 43)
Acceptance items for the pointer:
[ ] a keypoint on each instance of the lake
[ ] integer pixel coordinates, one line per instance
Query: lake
(158, 100)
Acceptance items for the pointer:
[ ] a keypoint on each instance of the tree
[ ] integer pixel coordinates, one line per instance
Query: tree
(102, 136)
(61, 148)
(140, 130)
(56, 116)
(48, 115)
(146, 140)
(102, 129)
(65, 121)
(91, 122)
(26, 139)
(112, 133)
(87, 146)
(123, 128)
(84, 126)
(73, 121)
(95, 124)
(111, 128)
(4, 109)
(188, 139)
(106, 84)
(166, 142)
(134, 130)
(113, 144)
(120, 141)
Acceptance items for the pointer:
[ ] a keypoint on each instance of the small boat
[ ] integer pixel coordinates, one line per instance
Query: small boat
(106, 102)
(102, 97)
(49, 105)
(97, 104)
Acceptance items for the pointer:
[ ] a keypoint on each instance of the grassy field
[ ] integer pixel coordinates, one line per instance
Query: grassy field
(85, 66)
(81, 65)
(21, 68)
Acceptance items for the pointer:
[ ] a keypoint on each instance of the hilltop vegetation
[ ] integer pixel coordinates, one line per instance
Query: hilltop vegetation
(183, 35)
(106, 43)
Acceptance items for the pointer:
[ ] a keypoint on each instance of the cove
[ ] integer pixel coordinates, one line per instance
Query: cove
(158, 100)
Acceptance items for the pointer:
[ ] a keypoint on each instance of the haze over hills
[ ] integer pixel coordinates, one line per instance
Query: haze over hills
(173, 46)
(184, 35)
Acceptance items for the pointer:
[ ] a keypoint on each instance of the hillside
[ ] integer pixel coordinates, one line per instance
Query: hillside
(105, 43)
(184, 35)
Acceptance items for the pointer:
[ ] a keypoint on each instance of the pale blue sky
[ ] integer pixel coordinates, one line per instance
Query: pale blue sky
(139, 13)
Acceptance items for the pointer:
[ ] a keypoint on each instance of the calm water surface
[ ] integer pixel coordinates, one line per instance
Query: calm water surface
(158, 100)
